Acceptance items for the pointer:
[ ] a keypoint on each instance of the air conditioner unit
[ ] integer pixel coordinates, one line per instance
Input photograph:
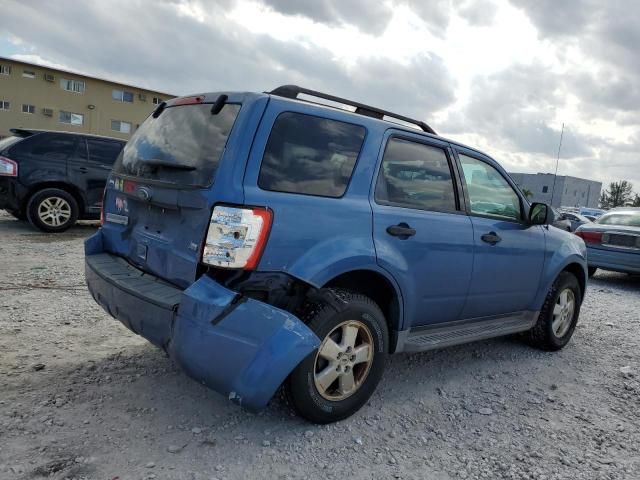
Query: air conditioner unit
(49, 77)
(48, 112)
(142, 97)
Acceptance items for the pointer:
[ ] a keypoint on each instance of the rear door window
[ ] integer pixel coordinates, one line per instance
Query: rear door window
(57, 147)
(415, 175)
(102, 151)
(182, 146)
(310, 155)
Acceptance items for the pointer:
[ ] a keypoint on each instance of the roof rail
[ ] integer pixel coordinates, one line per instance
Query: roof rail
(292, 91)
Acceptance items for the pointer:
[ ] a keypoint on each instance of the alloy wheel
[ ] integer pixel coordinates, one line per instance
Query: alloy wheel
(54, 211)
(563, 312)
(343, 360)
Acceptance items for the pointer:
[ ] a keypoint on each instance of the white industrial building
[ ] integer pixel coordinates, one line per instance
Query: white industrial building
(568, 192)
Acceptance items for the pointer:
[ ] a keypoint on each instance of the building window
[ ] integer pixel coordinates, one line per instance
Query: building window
(119, 126)
(71, 118)
(4, 105)
(76, 86)
(28, 74)
(545, 189)
(28, 108)
(157, 100)
(5, 69)
(122, 96)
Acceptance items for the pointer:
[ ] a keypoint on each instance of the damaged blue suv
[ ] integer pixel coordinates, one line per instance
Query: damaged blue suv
(295, 239)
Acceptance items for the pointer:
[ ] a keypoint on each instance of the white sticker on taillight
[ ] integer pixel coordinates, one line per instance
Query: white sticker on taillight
(236, 237)
(8, 168)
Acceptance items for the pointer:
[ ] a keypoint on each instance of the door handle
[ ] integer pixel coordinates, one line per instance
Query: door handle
(83, 169)
(491, 238)
(401, 230)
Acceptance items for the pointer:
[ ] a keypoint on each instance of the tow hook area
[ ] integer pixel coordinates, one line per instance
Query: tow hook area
(239, 347)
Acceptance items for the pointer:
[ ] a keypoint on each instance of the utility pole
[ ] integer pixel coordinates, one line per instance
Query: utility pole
(555, 176)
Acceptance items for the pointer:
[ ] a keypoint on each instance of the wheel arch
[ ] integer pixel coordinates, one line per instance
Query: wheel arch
(67, 187)
(378, 287)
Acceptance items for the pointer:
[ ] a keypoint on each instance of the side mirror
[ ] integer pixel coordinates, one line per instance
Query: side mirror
(540, 214)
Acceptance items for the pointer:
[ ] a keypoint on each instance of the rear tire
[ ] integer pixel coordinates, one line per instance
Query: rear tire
(52, 210)
(592, 271)
(339, 377)
(559, 315)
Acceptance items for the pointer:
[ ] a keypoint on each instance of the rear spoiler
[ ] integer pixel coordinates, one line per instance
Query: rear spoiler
(22, 132)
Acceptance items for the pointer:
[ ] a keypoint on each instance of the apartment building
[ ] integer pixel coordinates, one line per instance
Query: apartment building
(567, 192)
(33, 96)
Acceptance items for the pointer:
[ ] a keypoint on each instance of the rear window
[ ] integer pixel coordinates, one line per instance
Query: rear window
(183, 145)
(310, 155)
(627, 219)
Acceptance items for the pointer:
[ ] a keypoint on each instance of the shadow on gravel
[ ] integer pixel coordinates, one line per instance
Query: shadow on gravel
(614, 279)
(139, 376)
(9, 225)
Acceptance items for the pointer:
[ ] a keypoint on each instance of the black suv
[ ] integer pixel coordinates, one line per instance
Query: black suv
(54, 178)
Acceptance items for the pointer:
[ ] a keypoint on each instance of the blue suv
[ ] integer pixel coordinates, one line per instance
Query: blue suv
(295, 239)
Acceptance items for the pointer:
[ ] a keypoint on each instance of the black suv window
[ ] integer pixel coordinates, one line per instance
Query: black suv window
(310, 155)
(55, 146)
(103, 151)
(415, 175)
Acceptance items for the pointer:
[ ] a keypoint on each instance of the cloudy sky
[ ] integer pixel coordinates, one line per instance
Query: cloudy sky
(500, 75)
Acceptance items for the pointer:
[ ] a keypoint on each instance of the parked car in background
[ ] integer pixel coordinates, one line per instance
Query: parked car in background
(613, 241)
(264, 240)
(560, 221)
(592, 212)
(54, 178)
(575, 219)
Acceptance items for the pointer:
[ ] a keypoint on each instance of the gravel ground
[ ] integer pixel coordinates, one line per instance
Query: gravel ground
(83, 398)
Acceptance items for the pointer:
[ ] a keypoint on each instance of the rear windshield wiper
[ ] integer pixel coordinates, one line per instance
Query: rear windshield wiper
(153, 162)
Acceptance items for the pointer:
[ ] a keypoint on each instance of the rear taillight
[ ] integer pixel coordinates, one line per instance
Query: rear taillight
(590, 237)
(236, 237)
(8, 168)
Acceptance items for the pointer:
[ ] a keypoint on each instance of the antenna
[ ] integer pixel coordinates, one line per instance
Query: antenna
(555, 176)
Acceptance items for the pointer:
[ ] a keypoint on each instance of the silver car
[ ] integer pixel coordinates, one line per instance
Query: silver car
(613, 241)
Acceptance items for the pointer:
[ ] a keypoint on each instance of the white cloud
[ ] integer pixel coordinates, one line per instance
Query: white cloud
(501, 75)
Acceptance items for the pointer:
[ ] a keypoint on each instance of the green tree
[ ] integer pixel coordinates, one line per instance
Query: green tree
(618, 194)
(636, 201)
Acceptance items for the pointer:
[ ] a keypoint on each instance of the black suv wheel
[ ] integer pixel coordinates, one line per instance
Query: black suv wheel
(339, 377)
(52, 210)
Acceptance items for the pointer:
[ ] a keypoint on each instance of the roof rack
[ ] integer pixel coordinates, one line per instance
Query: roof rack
(292, 91)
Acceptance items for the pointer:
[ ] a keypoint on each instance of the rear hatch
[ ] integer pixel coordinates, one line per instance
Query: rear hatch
(163, 186)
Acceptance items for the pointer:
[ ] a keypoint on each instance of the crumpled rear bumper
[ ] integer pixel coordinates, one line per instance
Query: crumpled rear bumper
(235, 345)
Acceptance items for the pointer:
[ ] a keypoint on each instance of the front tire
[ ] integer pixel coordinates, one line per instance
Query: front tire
(338, 378)
(52, 210)
(559, 315)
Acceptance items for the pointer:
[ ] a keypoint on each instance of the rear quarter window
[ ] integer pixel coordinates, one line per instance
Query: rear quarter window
(103, 151)
(310, 155)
